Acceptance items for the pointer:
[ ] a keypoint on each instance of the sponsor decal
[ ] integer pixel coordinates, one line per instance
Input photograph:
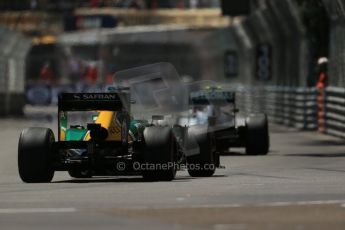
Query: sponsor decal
(99, 97)
(41, 94)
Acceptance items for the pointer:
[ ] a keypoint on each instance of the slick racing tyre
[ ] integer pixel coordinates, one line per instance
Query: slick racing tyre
(35, 155)
(204, 163)
(257, 135)
(159, 154)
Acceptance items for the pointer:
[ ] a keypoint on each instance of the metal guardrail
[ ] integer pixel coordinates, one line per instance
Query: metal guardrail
(295, 107)
(299, 107)
(335, 111)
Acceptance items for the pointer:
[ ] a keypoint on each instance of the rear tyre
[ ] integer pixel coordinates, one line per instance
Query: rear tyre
(159, 154)
(35, 155)
(203, 164)
(257, 135)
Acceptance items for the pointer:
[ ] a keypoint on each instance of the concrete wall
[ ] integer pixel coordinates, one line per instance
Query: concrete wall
(336, 11)
(13, 50)
(198, 53)
(276, 23)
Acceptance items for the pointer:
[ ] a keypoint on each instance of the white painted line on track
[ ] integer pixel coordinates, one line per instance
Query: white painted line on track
(36, 210)
(301, 203)
(276, 204)
(144, 208)
(230, 226)
(218, 206)
(272, 204)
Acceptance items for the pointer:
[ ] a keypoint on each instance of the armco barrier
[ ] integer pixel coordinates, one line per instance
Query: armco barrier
(335, 111)
(290, 106)
(297, 106)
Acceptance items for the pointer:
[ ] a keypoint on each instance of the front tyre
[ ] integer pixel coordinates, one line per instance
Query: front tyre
(159, 154)
(35, 155)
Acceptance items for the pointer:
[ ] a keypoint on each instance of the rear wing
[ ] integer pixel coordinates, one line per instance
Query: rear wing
(94, 101)
(211, 97)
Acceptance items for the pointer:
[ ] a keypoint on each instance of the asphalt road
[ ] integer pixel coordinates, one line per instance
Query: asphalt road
(299, 185)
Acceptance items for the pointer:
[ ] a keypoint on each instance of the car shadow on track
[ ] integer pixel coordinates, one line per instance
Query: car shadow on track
(242, 154)
(339, 142)
(316, 155)
(130, 179)
(327, 170)
(232, 154)
(262, 176)
(118, 180)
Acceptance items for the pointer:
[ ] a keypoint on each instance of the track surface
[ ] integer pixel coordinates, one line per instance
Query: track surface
(299, 185)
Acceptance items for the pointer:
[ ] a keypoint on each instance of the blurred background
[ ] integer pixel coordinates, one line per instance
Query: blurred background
(285, 58)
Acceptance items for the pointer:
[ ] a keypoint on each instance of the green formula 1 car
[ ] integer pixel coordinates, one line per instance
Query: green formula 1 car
(98, 137)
